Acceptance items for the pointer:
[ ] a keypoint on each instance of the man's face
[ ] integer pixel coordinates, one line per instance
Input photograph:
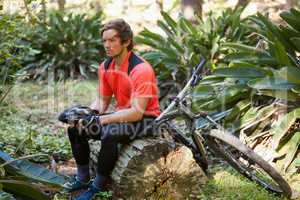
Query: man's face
(112, 43)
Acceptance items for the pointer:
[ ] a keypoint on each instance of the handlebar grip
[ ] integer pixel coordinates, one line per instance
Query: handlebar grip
(200, 66)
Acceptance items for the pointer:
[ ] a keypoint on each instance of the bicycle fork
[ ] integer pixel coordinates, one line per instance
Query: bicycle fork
(198, 151)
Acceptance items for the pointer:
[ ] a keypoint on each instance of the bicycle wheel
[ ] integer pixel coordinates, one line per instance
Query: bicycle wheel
(247, 162)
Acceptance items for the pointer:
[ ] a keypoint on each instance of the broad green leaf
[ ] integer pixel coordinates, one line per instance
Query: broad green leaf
(215, 46)
(253, 116)
(176, 45)
(296, 90)
(290, 33)
(292, 20)
(273, 30)
(297, 161)
(165, 28)
(281, 127)
(169, 52)
(203, 92)
(6, 196)
(295, 12)
(281, 54)
(187, 26)
(151, 35)
(169, 21)
(146, 41)
(255, 58)
(271, 83)
(153, 57)
(240, 72)
(290, 149)
(30, 171)
(243, 47)
(238, 109)
(226, 97)
(211, 80)
(174, 62)
(244, 64)
(24, 189)
(290, 74)
(296, 42)
(280, 94)
(293, 167)
(247, 118)
(262, 125)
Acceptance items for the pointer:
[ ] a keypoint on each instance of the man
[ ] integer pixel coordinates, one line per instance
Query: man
(132, 82)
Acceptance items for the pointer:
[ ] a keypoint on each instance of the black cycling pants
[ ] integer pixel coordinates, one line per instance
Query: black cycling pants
(110, 135)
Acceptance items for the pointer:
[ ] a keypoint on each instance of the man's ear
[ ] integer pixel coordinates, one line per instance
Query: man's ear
(126, 43)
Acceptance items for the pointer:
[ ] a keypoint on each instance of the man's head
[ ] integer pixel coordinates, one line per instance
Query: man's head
(117, 36)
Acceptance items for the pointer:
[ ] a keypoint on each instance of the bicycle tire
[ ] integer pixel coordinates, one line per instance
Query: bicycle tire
(219, 142)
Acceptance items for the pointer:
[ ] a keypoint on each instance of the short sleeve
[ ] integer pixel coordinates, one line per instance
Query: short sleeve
(104, 88)
(143, 81)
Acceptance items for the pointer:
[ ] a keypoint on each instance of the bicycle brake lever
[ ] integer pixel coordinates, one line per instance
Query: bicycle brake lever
(196, 80)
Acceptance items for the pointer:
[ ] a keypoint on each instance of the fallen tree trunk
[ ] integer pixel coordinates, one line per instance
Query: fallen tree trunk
(154, 169)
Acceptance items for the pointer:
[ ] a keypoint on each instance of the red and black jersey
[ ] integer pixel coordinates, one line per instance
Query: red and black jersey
(134, 79)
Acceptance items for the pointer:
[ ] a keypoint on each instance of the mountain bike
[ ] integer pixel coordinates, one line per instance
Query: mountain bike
(214, 136)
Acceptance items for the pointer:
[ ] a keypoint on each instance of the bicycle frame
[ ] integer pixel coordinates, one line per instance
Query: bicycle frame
(194, 140)
(182, 110)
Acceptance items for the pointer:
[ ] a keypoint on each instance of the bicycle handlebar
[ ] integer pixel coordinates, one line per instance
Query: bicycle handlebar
(192, 82)
(196, 77)
(199, 67)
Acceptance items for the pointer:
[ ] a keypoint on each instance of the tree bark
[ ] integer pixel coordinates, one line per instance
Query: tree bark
(289, 4)
(190, 8)
(154, 169)
(160, 4)
(61, 5)
(1, 6)
(44, 10)
(241, 3)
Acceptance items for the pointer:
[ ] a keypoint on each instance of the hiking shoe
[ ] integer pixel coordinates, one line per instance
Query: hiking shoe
(75, 184)
(89, 194)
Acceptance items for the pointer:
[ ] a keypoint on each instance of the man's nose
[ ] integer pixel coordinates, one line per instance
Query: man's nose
(106, 44)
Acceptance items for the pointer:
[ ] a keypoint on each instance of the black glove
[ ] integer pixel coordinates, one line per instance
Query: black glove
(91, 124)
(74, 114)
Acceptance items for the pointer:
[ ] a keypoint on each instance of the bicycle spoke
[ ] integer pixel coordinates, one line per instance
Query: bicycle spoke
(248, 167)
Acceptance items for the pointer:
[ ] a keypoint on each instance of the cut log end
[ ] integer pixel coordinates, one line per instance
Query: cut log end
(156, 169)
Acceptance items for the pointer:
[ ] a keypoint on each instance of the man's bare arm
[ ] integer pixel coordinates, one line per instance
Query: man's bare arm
(101, 103)
(135, 113)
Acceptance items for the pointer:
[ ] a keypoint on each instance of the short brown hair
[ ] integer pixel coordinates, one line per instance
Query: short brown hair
(123, 29)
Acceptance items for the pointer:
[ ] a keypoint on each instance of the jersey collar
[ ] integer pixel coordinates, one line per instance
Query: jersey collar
(124, 65)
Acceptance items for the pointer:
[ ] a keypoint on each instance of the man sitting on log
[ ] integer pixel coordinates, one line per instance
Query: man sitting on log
(132, 82)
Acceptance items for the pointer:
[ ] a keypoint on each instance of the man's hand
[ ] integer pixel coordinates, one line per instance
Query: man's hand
(90, 124)
(73, 114)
